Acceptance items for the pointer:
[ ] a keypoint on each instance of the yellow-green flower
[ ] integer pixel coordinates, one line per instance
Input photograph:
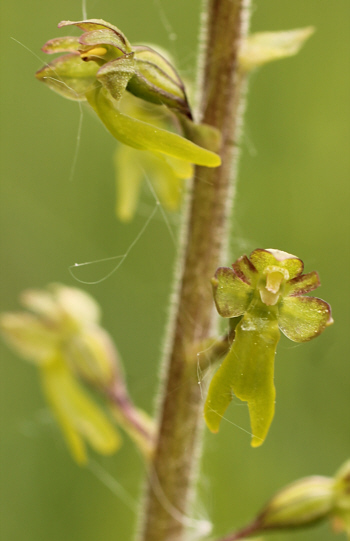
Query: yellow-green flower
(263, 47)
(100, 66)
(267, 290)
(62, 337)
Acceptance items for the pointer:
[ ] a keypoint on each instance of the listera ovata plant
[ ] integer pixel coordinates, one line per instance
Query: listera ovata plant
(61, 334)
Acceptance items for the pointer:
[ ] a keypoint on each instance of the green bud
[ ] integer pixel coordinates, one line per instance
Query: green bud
(155, 80)
(342, 499)
(301, 503)
(304, 503)
(92, 356)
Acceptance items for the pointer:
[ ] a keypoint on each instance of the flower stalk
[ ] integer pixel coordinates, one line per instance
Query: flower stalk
(205, 238)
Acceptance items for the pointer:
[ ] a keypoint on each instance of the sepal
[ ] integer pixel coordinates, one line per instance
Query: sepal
(69, 76)
(231, 295)
(79, 417)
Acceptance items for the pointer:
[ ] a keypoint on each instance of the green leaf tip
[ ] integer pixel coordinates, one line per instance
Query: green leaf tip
(266, 289)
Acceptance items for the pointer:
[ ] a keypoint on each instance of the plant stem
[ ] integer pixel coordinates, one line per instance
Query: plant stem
(243, 534)
(135, 422)
(174, 465)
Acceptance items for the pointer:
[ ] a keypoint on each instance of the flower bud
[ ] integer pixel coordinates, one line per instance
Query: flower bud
(299, 504)
(155, 80)
(342, 499)
(92, 356)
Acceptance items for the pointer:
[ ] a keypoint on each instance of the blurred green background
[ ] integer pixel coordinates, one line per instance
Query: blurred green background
(293, 194)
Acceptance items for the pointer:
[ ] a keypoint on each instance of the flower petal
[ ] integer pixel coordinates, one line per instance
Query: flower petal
(264, 258)
(98, 24)
(263, 47)
(303, 318)
(69, 76)
(61, 305)
(181, 168)
(145, 136)
(77, 414)
(76, 304)
(42, 303)
(245, 270)
(248, 371)
(167, 185)
(302, 284)
(29, 336)
(232, 296)
(92, 357)
(61, 45)
(129, 176)
(104, 37)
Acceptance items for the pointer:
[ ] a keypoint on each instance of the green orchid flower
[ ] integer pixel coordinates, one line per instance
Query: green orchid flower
(62, 337)
(100, 66)
(267, 290)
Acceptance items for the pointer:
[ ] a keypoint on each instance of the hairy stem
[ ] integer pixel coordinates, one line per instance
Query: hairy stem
(135, 422)
(244, 533)
(173, 468)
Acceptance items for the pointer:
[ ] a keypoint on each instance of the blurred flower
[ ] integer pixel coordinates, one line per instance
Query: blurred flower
(341, 511)
(165, 173)
(267, 290)
(100, 66)
(63, 338)
(264, 47)
(304, 503)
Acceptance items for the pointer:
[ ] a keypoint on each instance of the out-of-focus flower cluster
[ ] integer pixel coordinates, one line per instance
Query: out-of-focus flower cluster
(61, 335)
